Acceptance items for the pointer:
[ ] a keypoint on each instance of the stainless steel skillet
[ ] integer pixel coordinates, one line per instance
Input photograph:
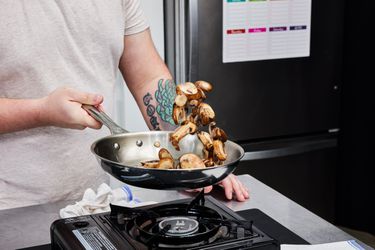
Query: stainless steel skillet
(120, 155)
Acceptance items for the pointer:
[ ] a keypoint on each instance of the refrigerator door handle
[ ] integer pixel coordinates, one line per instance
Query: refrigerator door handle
(192, 46)
(292, 149)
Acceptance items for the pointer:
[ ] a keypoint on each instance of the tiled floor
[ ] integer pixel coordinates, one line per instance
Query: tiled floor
(365, 237)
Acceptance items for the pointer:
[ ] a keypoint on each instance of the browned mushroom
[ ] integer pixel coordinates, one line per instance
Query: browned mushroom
(150, 164)
(181, 132)
(189, 90)
(191, 161)
(219, 151)
(218, 134)
(205, 138)
(179, 114)
(180, 100)
(206, 113)
(203, 85)
(209, 162)
(166, 163)
(164, 153)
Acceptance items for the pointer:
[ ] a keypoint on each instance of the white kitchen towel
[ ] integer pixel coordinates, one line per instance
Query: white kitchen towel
(98, 202)
(340, 245)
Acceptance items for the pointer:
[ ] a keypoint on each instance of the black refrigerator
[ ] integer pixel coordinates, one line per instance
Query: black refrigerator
(284, 112)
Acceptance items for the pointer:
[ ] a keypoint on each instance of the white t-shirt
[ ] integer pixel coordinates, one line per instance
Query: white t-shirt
(44, 45)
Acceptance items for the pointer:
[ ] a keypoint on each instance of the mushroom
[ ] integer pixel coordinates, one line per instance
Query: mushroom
(164, 153)
(150, 164)
(189, 90)
(179, 114)
(203, 85)
(205, 138)
(208, 157)
(191, 161)
(181, 132)
(209, 162)
(219, 151)
(206, 113)
(218, 134)
(180, 100)
(166, 163)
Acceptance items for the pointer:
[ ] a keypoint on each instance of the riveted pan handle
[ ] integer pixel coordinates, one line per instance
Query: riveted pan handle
(105, 119)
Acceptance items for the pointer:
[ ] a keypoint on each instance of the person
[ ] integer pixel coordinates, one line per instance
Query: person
(54, 57)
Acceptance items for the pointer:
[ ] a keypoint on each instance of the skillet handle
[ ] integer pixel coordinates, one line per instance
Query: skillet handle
(105, 119)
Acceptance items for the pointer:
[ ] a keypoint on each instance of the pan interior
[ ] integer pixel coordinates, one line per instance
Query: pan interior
(125, 149)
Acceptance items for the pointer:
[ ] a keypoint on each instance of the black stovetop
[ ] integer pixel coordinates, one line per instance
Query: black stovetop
(198, 223)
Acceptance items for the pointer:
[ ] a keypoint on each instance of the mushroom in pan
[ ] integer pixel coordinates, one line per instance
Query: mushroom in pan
(181, 132)
(165, 161)
(150, 164)
(191, 161)
(219, 151)
(205, 138)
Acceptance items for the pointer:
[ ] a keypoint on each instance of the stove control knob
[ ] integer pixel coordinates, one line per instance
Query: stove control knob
(80, 224)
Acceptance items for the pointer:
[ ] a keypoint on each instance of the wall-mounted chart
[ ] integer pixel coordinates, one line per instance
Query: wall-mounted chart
(265, 29)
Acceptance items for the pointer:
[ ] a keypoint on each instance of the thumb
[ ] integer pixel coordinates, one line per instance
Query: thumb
(85, 98)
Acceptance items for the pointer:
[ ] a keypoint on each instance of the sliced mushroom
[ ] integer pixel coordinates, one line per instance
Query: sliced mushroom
(150, 164)
(181, 132)
(166, 163)
(219, 134)
(179, 114)
(164, 153)
(202, 95)
(189, 90)
(191, 161)
(194, 103)
(206, 113)
(219, 151)
(180, 100)
(205, 138)
(209, 162)
(203, 85)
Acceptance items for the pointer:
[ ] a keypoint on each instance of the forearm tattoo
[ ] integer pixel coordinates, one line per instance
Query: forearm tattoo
(150, 110)
(164, 97)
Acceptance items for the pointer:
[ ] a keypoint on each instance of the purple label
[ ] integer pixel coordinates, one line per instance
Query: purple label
(257, 30)
(298, 27)
(278, 29)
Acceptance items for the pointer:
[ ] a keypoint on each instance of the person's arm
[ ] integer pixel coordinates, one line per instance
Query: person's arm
(149, 80)
(61, 108)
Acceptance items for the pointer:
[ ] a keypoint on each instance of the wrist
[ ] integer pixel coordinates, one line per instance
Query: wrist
(40, 112)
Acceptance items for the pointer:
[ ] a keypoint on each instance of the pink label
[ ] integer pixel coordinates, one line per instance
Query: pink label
(257, 30)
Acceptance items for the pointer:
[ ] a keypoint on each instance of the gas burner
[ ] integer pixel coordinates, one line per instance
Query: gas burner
(179, 226)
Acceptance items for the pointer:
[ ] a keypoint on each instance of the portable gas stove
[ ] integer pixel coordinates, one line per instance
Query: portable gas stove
(198, 223)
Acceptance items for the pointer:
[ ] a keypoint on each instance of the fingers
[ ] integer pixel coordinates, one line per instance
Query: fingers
(90, 122)
(208, 189)
(228, 189)
(84, 97)
(231, 185)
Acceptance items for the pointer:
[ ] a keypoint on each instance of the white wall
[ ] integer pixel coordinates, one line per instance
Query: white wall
(126, 112)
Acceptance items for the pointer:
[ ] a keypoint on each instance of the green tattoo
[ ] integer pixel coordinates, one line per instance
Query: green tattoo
(165, 96)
